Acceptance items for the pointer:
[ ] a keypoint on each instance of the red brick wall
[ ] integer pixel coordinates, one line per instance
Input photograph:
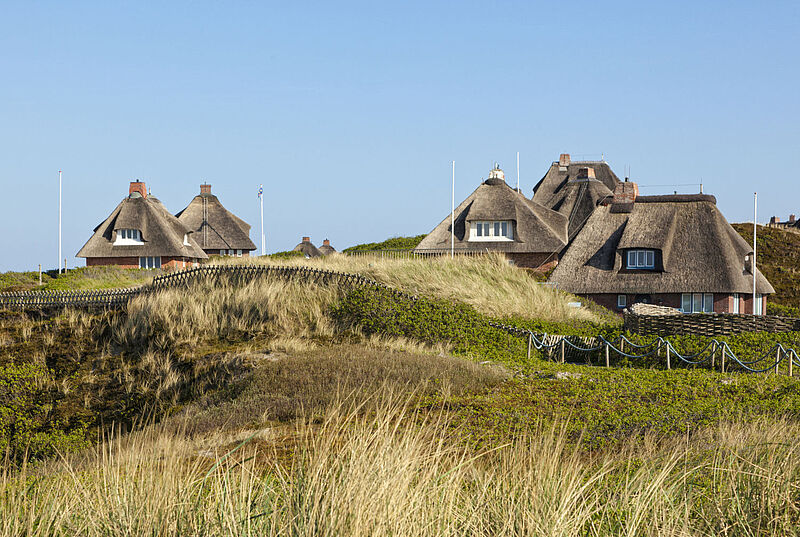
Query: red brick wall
(170, 263)
(723, 302)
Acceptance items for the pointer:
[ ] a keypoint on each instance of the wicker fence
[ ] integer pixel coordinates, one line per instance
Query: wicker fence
(416, 253)
(706, 324)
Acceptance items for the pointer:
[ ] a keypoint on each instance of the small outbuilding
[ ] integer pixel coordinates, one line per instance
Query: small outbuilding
(306, 248)
(216, 230)
(326, 248)
(141, 233)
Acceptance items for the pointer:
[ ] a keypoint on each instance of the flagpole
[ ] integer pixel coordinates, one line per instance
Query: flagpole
(59, 222)
(755, 222)
(517, 171)
(261, 197)
(453, 215)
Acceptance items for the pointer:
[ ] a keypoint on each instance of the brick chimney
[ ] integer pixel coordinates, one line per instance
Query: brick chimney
(563, 162)
(586, 173)
(792, 219)
(306, 239)
(626, 193)
(205, 188)
(138, 186)
(326, 242)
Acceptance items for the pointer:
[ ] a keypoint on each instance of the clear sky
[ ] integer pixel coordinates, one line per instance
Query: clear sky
(350, 113)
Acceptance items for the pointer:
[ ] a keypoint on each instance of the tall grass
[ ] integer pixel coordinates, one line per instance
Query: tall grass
(392, 472)
(488, 283)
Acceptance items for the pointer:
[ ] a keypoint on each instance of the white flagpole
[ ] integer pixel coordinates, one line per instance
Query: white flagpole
(517, 171)
(59, 222)
(261, 197)
(755, 221)
(453, 215)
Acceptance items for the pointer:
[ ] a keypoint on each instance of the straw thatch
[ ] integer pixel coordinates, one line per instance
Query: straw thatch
(307, 248)
(537, 229)
(162, 233)
(215, 227)
(696, 250)
(562, 190)
(326, 248)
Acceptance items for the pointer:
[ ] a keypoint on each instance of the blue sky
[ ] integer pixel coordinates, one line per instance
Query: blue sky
(350, 113)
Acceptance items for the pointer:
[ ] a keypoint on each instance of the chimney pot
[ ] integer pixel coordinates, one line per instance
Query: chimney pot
(306, 239)
(626, 193)
(138, 186)
(792, 219)
(205, 188)
(563, 162)
(586, 173)
(326, 242)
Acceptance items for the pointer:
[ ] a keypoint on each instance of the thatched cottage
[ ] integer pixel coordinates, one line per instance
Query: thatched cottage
(307, 248)
(499, 218)
(675, 250)
(141, 233)
(326, 248)
(216, 230)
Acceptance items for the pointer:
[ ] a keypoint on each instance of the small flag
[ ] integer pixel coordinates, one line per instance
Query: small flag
(260, 190)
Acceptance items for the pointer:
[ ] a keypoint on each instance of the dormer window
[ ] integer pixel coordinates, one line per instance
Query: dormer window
(186, 239)
(641, 259)
(495, 230)
(128, 237)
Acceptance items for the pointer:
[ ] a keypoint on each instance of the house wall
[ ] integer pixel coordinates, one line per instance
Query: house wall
(539, 262)
(216, 251)
(723, 302)
(133, 262)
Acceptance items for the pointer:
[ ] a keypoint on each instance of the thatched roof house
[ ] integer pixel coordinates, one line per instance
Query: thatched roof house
(141, 233)
(216, 230)
(307, 249)
(497, 217)
(676, 251)
(326, 248)
(574, 188)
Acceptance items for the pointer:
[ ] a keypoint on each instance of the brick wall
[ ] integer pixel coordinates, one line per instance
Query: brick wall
(723, 303)
(133, 262)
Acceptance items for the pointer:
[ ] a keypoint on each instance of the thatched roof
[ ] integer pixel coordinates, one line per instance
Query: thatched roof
(308, 249)
(215, 228)
(563, 189)
(161, 232)
(697, 250)
(326, 248)
(537, 229)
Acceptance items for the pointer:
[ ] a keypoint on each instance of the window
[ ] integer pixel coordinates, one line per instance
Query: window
(238, 253)
(638, 259)
(128, 237)
(735, 308)
(150, 262)
(491, 231)
(622, 301)
(230, 252)
(759, 305)
(697, 303)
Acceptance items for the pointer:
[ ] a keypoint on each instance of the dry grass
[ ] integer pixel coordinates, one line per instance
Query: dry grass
(392, 472)
(488, 283)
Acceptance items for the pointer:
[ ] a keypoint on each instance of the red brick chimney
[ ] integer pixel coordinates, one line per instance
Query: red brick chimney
(306, 239)
(792, 219)
(205, 188)
(626, 192)
(563, 162)
(138, 186)
(586, 173)
(326, 242)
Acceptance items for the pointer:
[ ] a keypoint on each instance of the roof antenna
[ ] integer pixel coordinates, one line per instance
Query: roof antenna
(701, 185)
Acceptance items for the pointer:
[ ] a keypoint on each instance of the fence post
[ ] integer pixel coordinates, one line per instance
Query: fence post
(621, 344)
(777, 359)
(713, 353)
(530, 337)
(668, 364)
(563, 344)
(789, 356)
(722, 360)
(608, 363)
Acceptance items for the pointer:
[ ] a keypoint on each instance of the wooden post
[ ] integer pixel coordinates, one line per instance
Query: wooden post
(563, 344)
(722, 361)
(621, 344)
(777, 359)
(608, 363)
(40, 274)
(530, 337)
(668, 364)
(789, 356)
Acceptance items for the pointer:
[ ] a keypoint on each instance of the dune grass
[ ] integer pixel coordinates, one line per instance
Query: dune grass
(488, 283)
(394, 472)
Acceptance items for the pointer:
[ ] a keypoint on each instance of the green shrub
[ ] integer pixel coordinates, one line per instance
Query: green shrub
(395, 243)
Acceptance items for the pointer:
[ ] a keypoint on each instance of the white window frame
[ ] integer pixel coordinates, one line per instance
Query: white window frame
(150, 262)
(238, 253)
(491, 231)
(735, 308)
(641, 259)
(759, 305)
(697, 302)
(622, 301)
(128, 237)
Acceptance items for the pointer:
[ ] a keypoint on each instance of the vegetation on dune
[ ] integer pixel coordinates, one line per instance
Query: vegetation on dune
(106, 277)
(779, 260)
(394, 243)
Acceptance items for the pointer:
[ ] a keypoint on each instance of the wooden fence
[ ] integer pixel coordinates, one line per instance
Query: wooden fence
(708, 324)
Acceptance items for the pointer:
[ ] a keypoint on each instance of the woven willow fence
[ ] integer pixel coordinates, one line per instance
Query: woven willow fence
(708, 324)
